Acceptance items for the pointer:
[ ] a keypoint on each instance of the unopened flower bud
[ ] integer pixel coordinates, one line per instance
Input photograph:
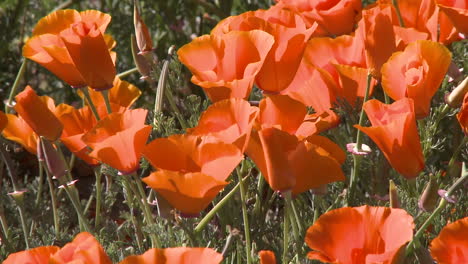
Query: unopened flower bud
(428, 200)
(393, 194)
(142, 64)
(143, 38)
(455, 98)
(54, 162)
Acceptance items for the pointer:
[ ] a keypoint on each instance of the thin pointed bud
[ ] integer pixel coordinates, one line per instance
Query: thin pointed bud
(393, 193)
(143, 38)
(429, 197)
(455, 98)
(142, 64)
(55, 164)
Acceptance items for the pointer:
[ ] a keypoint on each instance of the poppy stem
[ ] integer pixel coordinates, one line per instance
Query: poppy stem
(201, 225)
(5, 237)
(285, 229)
(127, 72)
(97, 219)
(76, 204)
(53, 199)
(105, 95)
(397, 9)
(443, 202)
(245, 216)
(40, 184)
(357, 158)
(19, 76)
(85, 92)
(457, 152)
(129, 198)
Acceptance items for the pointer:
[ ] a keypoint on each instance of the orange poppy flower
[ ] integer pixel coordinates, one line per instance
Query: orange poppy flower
(447, 31)
(333, 17)
(83, 249)
(19, 131)
(36, 113)
(118, 139)
(457, 12)
(267, 257)
(417, 73)
(39, 255)
(451, 246)
(225, 65)
(290, 34)
(192, 169)
(72, 46)
(122, 93)
(3, 121)
(230, 121)
(462, 116)
(394, 131)
(179, 255)
(355, 235)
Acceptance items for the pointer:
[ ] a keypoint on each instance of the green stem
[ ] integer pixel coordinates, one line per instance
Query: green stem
(19, 76)
(129, 198)
(258, 199)
(296, 217)
(244, 213)
(216, 208)
(285, 235)
(85, 92)
(357, 158)
(23, 223)
(105, 95)
(178, 114)
(53, 200)
(457, 151)
(442, 204)
(127, 72)
(41, 184)
(97, 219)
(76, 204)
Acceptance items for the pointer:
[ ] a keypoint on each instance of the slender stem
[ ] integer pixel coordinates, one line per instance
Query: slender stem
(397, 8)
(357, 158)
(97, 219)
(53, 200)
(85, 92)
(316, 207)
(285, 234)
(23, 223)
(129, 198)
(105, 95)
(258, 198)
(178, 114)
(3, 221)
(140, 193)
(19, 76)
(296, 217)
(288, 204)
(244, 213)
(41, 184)
(201, 225)
(442, 204)
(457, 151)
(127, 72)
(76, 204)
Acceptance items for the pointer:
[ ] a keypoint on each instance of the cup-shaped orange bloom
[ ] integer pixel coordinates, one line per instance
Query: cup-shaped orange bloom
(36, 113)
(192, 169)
(179, 255)
(290, 34)
(451, 245)
(122, 93)
(267, 257)
(333, 17)
(19, 131)
(394, 131)
(417, 73)
(462, 116)
(39, 255)
(225, 65)
(118, 139)
(83, 249)
(356, 235)
(457, 12)
(230, 121)
(72, 45)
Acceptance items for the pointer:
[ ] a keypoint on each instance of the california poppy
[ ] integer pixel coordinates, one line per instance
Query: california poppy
(122, 93)
(36, 113)
(290, 34)
(462, 116)
(72, 45)
(19, 131)
(118, 139)
(355, 235)
(83, 249)
(457, 12)
(394, 131)
(3, 121)
(179, 255)
(417, 73)
(39, 255)
(333, 17)
(225, 65)
(192, 169)
(267, 257)
(231, 121)
(451, 246)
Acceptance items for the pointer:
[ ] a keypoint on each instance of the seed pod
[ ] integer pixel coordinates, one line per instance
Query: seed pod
(393, 193)
(455, 98)
(428, 200)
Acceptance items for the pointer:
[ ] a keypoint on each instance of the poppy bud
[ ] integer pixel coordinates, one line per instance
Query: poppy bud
(55, 164)
(429, 197)
(455, 98)
(393, 193)
(142, 64)
(143, 38)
